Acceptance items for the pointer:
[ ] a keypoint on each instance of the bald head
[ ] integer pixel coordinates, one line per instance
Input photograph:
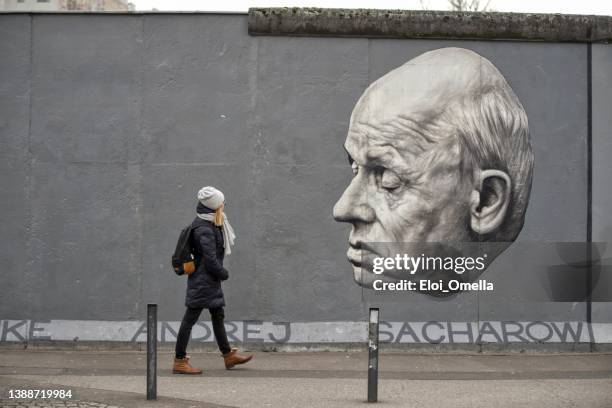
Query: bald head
(451, 109)
(426, 84)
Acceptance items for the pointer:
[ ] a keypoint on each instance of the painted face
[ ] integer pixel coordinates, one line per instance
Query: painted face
(407, 181)
(415, 182)
(401, 194)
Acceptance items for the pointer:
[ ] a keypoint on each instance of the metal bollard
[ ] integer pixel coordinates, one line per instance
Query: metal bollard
(373, 356)
(151, 351)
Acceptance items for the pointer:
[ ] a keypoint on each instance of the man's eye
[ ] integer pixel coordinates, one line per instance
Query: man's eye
(390, 180)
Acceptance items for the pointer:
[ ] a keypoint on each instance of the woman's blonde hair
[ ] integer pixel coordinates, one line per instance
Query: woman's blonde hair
(219, 216)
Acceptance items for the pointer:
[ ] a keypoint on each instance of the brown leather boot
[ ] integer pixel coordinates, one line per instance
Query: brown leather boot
(233, 358)
(182, 366)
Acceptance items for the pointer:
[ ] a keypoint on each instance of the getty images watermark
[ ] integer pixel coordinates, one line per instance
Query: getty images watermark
(411, 265)
(529, 271)
(437, 269)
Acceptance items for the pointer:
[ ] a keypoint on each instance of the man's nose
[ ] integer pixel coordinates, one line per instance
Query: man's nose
(353, 206)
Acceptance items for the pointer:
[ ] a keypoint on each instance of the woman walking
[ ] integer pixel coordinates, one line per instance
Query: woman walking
(212, 239)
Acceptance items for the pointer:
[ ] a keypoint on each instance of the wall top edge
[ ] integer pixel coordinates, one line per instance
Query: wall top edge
(373, 23)
(409, 24)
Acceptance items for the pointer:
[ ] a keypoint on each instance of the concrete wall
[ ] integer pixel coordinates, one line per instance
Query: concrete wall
(602, 166)
(109, 124)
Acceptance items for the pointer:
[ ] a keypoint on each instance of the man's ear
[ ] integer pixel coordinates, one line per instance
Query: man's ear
(489, 201)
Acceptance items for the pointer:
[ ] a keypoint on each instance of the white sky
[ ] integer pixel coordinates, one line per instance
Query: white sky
(520, 6)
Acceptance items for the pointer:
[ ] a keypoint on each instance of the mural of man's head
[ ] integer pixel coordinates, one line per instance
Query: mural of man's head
(440, 152)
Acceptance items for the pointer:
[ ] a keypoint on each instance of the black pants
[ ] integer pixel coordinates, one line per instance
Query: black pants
(191, 317)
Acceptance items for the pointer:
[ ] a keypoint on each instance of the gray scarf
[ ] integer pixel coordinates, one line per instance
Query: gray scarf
(228, 231)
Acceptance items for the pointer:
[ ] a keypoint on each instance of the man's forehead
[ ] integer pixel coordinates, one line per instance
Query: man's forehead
(406, 155)
(409, 134)
(383, 144)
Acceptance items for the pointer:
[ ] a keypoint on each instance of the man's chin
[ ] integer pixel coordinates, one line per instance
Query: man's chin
(362, 277)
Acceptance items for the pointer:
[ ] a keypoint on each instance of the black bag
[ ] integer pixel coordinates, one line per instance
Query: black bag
(182, 259)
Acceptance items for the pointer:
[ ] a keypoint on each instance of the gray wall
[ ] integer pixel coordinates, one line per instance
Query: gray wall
(109, 124)
(602, 167)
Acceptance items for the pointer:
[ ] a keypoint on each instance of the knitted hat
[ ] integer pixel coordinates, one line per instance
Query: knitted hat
(211, 197)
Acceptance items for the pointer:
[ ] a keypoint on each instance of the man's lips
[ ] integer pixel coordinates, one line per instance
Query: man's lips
(355, 253)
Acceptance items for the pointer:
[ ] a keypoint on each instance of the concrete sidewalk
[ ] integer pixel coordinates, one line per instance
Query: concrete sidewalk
(329, 379)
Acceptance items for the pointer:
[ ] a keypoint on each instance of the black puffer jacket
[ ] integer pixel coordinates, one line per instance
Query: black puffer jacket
(204, 285)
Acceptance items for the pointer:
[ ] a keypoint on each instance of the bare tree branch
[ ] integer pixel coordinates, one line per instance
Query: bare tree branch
(469, 5)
